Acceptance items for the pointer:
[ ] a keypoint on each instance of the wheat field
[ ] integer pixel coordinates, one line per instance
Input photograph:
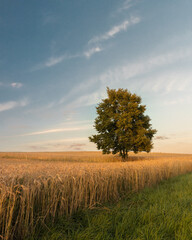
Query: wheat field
(37, 188)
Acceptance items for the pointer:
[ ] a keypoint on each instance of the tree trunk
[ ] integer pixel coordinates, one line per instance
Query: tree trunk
(124, 156)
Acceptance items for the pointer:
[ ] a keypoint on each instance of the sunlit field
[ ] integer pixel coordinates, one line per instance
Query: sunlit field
(37, 188)
(88, 156)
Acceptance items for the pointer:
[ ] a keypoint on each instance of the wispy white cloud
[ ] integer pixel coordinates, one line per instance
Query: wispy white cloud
(167, 81)
(16, 85)
(52, 61)
(122, 75)
(7, 105)
(81, 87)
(86, 100)
(128, 71)
(127, 4)
(56, 130)
(115, 30)
(55, 60)
(12, 104)
(92, 51)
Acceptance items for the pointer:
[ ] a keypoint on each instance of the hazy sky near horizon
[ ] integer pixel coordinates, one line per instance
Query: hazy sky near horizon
(58, 56)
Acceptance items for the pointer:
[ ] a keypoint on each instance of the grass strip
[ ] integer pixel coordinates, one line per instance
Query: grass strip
(162, 212)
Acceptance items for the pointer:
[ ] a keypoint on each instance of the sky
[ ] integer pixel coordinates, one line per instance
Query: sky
(57, 57)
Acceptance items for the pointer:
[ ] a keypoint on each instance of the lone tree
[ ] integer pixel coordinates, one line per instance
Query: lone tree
(122, 125)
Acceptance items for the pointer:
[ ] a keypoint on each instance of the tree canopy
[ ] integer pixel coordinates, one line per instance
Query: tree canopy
(122, 125)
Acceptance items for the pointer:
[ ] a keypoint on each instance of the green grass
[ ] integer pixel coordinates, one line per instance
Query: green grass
(162, 212)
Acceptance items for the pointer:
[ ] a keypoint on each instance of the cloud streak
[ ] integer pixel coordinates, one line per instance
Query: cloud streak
(122, 74)
(126, 5)
(167, 81)
(87, 99)
(115, 30)
(52, 61)
(56, 130)
(12, 104)
(92, 51)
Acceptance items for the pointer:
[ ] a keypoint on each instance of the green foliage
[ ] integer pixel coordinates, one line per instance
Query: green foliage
(122, 125)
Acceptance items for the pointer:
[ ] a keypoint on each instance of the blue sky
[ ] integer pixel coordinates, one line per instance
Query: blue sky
(57, 58)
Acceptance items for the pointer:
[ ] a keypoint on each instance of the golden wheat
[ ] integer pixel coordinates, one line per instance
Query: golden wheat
(34, 192)
(89, 156)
